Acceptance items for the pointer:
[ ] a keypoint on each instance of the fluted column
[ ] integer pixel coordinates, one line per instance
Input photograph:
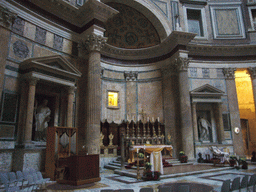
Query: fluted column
(71, 94)
(252, 71)
(194, 118)
(219, 122)
(234, 110)
(30, 109)
(93, 44)
(185, 107)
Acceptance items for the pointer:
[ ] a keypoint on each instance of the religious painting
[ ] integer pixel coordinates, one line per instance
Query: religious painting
(113, 99)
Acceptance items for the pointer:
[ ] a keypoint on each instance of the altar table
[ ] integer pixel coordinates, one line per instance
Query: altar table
(155, 154)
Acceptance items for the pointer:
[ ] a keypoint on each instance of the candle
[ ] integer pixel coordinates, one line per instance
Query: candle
(148, 118)
(152, 119)
(158, 119)
(137, 150)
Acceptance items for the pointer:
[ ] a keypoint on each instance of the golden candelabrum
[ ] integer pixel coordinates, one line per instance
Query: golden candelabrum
(138, 166)
(127, 129)
(133, 130)
(138, 129)
(144, 131)
(154, 131)
(159, 129)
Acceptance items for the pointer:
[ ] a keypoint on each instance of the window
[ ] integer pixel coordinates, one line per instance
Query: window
(113, 99)
(80, 2)
(252, 11)
(195, 21)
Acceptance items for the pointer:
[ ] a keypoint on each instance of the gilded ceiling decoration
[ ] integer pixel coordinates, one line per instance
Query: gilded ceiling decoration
(130, 29)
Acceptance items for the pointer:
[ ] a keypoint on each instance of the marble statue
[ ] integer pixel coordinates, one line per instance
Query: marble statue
(111, 137)
(101, 139)
(42, 118)
(204, 127)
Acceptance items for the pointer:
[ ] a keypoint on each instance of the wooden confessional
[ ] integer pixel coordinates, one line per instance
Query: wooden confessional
(63, 163)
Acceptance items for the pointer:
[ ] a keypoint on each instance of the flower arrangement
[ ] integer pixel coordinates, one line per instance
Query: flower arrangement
(242, 161)
(182, 157)
(232, 160)
(148, 166)
(152, 175)
(141, 155)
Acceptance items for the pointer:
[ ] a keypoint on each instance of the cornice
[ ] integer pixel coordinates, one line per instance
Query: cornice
(175, 39)
(221, 50)
(92, 9)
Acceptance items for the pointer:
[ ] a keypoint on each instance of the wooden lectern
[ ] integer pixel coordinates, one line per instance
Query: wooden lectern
(63, 162)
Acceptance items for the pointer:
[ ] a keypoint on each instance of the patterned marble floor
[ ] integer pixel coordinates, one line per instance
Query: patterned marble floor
(109, 180)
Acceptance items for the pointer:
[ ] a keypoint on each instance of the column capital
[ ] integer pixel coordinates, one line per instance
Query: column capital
(71, 90)
(252, 72)
(181, 63)
(131, 76)
(6, 16)
(93, 42)
(229, 73)
(32, 80)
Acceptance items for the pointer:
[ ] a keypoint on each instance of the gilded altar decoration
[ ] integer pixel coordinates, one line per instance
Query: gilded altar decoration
(113, 99)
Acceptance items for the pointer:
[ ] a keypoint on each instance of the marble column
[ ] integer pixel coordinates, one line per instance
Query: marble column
(194, 119)
(71, 94)
(252, 71)
(171, 107)
(220, 126)
(185, 107)
(30, 110)
(93, 45)
(234, 110)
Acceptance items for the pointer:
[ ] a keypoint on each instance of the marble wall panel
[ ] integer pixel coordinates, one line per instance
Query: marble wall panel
(49, 39)
(67, 46)
(113, 74)
(7, 144)
(41, 51)
(150, 74)
(18, 26)
(6, 161)
(206, 72)
(29, 31)
(150, 99)
(40, 36)
(192, 72)
(11, 84)
(115, 115)
(20, 49)
(227, 23)
(58, 42)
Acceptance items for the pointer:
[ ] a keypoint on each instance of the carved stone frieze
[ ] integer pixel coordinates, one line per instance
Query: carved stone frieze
(181, 63)
(6, 17)
(93, 42)
(252, 72)
(229, 73)
(131, 76)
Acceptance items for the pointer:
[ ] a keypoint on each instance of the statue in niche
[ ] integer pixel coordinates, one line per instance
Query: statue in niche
(204, 127)
(42, 118)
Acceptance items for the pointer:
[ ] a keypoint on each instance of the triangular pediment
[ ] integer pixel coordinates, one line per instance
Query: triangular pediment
(55, 62)
(206, 90)
(51, 68)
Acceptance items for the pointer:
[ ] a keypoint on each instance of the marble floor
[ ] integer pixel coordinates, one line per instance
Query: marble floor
(110, 180)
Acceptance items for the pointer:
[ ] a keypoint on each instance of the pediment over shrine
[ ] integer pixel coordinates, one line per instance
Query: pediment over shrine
(206, 93)
(51, 68)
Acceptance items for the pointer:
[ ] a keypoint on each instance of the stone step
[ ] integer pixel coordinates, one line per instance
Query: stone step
(111, 167)
(115, 164)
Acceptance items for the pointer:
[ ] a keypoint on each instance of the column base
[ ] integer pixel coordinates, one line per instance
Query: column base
(198, 143)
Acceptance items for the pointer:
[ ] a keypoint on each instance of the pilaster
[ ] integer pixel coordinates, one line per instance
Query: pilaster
(71, 94)
(238, 144)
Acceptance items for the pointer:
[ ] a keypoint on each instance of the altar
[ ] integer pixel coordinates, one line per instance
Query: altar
(155, 154)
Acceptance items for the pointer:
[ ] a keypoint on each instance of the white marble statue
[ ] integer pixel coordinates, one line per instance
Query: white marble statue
(204, 127)
(42, 118)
